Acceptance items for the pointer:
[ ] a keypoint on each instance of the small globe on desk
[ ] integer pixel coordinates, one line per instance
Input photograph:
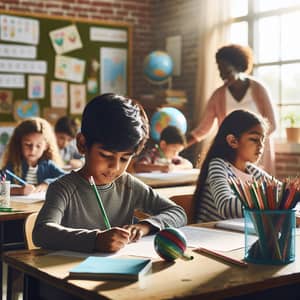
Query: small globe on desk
(158, 67)
(167, 116)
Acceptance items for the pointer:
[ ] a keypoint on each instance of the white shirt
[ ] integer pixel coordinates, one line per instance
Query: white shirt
(246, 103)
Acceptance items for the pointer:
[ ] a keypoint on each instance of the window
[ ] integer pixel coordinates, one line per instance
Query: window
(270, 28)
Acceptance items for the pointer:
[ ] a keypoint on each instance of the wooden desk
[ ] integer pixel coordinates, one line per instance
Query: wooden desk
(202, 278)
(11, 229)
(178, 178)
(176, 190)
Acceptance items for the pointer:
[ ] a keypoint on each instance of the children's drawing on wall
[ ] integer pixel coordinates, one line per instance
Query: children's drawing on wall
(25, 109)
(6, 98)
(69, 68)
(36, 87)
(59, 94)
(77, 98)
(113, 70)
(92, 80)
(5, 133)
(65, 39)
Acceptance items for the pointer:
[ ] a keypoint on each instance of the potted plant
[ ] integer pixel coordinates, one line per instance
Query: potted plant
(293, 127)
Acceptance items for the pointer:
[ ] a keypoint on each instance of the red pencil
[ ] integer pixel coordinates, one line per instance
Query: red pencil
(220, 256)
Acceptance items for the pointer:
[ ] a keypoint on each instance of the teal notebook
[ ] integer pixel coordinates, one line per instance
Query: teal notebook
(95, 267)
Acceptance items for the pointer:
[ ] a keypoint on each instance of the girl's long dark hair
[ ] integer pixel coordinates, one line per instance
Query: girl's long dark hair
(236, 123)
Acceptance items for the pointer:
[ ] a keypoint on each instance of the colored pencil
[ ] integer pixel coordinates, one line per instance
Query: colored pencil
(105, 218)
(214, 254)
(161, 154)
(16, 177)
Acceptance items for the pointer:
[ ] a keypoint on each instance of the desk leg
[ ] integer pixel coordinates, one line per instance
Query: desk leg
(30, 290)
(1, 260)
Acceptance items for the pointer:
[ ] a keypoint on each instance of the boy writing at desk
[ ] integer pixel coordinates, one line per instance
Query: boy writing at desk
(114, 128)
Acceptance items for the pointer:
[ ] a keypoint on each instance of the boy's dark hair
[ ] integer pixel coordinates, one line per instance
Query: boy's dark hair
(66, 125)
(236, 123)
(173, 135)
(239, 56)
(117, 123)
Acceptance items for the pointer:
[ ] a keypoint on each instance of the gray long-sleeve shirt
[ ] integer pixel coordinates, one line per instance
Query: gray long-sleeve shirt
(71, 217)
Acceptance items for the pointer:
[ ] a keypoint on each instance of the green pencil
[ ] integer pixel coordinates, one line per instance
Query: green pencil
(106, 221)
(161, 154)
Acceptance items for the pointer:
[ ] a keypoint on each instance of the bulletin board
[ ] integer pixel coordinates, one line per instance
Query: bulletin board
(52, 66)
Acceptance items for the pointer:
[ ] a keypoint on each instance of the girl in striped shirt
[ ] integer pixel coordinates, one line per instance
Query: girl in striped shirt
(236, 148)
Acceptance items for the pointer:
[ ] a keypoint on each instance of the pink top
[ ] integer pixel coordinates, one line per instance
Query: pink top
(216, 109)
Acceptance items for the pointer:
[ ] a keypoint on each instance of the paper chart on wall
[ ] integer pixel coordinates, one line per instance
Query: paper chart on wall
(23, 66)
(17, 51)
(21, 30)
(113, 70)
(12, 81)
(98, 34)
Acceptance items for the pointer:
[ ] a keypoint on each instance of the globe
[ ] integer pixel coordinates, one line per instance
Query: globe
(158, 66)
(167, 116)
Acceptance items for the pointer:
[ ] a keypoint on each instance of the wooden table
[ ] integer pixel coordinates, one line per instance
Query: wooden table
(11, 229)
(178, 178)
(201, 278)
(176, 190)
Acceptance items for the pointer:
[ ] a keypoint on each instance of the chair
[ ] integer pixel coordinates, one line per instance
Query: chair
(187, 203)
(14, 278)
(28, 227)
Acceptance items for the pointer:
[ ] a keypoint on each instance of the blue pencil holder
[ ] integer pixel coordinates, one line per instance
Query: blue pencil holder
(270, 236)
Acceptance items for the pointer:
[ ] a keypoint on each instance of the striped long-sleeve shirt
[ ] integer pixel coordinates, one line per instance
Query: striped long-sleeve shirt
(217, 200)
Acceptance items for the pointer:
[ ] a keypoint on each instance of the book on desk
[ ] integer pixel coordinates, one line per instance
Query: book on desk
(98, 268)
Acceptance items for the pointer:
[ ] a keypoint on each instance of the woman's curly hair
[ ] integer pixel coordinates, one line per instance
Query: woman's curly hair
(241, 57)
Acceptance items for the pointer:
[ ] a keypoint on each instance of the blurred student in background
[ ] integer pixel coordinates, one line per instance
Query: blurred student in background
(164, 156)
(66, 129)
(32, 154)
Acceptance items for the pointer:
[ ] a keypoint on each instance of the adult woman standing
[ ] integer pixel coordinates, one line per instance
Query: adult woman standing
(239, 91)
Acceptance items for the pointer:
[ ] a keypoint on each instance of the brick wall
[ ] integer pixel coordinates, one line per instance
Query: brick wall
(180, 18)
(138, 13)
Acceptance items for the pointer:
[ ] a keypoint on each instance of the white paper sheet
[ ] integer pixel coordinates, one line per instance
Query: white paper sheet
(214, 239)
(219, 240)
(34, 197)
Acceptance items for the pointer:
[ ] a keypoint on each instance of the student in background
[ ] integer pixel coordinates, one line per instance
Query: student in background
(165, 156)
(113, 130)
(239, 91)
(236, 148)
(32, 155)
(66, 129)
